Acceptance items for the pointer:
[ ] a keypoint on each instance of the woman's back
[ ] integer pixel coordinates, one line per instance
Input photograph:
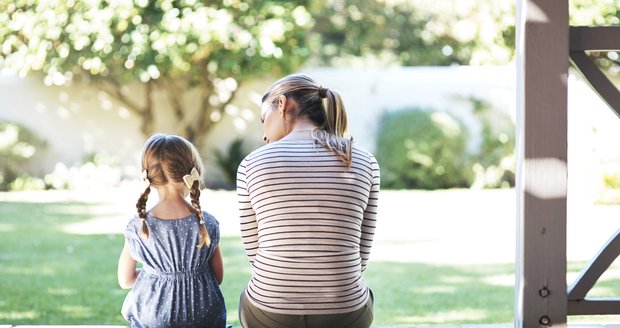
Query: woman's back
(307, 223)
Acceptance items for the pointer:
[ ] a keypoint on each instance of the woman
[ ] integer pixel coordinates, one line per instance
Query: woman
(308, 202)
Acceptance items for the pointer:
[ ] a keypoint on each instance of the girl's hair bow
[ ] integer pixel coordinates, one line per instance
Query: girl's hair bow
(190, 178)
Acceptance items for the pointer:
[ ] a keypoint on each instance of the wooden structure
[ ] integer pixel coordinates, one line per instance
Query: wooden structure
(546, 44)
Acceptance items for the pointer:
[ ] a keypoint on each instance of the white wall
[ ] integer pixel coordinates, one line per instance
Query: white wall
(368, 92)
(79, 119)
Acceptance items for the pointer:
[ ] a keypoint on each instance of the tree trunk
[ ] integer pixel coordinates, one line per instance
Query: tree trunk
(146, 113)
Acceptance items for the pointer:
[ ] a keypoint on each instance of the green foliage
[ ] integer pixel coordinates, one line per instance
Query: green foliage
(97, 170)
(211, 48)
(146, 40)
(229, 161)
(611, 180)
(25, 182)
(420, 149)
(18, 145)
(598, 13)
(494, 162)
(170, 47)
(413, 32)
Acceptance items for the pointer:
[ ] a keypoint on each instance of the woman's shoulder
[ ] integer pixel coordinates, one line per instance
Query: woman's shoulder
(266, 150)
(363, 153)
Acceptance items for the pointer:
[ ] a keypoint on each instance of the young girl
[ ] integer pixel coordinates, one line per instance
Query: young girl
(176, 242)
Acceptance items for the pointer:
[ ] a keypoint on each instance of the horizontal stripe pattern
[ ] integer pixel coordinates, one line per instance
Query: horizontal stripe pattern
(307, 225)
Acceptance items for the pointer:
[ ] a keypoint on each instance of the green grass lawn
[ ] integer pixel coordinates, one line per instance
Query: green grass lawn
(48, 276)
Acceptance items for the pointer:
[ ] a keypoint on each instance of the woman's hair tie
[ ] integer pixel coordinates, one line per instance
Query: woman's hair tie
(322, 92)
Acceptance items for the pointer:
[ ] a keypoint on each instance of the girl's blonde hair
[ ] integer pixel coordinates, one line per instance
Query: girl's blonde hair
(323, 106)
(168, 158)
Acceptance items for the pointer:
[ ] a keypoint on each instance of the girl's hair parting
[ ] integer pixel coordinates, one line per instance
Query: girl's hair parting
(323, 106)
(168, 158)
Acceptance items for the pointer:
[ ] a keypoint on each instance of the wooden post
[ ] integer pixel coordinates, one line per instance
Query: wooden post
(542, 72)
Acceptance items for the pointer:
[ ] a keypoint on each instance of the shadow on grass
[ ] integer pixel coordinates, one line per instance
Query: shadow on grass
(420, 293)
(50, 276)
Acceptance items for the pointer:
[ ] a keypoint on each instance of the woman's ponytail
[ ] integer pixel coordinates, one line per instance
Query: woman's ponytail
(331, 134)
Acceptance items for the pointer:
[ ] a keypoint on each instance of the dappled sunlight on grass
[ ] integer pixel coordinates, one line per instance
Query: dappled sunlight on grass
(100, 225)
(462, 315)
(436, 290)
(505, 280)
(61, 291)
(17, 315)
(422, 293)
(611, 319)
(58, 266)
(6, 227)
(30, 270)
(76, 311)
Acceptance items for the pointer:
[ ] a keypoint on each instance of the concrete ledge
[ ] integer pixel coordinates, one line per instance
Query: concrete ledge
(459, 326)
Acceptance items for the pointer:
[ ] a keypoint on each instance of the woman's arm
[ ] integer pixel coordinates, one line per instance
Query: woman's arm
(127, 272)
(248, 224)
(217, 265)
(369, 223)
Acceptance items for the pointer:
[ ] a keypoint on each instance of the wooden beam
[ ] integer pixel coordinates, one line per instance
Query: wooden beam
(594, 306)
(603, 38)
(578, 303)
(542, 74)
(597, 80)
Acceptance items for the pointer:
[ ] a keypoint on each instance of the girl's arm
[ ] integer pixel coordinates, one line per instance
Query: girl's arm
(217, 265)
(127, 272)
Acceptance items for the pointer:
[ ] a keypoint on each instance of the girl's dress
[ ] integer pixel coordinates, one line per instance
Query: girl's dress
(176, 287)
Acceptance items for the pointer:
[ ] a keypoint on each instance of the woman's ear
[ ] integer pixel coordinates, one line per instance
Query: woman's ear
(281, 107)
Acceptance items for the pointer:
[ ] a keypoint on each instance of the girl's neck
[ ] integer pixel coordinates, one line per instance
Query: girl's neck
(171, 204)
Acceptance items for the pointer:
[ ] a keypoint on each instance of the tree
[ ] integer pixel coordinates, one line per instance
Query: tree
(413, 32)
(172, 47)
(210, 48)
(598, 13)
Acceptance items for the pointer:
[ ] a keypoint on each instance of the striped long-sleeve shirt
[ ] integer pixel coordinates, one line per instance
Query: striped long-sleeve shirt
(307, 224)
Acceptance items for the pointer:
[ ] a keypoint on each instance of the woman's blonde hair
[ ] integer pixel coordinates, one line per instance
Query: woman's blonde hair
(323, 106)
(168, 158)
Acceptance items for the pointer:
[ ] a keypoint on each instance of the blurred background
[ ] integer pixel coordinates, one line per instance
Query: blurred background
(429, 88)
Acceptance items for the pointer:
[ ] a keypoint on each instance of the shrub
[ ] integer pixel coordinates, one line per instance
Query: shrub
(495, 162)
(97, 170)
(18, 145)
(229, 161)
(421, 149)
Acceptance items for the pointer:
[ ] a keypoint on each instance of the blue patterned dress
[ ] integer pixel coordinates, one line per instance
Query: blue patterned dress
(176, 287)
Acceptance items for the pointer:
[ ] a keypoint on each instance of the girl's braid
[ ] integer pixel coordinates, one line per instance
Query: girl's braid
(141, 207)
(195, 195)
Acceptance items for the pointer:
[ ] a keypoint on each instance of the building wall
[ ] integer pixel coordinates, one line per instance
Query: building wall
(77, 120)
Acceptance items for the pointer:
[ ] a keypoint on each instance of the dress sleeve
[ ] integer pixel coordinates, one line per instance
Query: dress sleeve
(249, 226)
(213, 229)
(133, 238)
(369, 222)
